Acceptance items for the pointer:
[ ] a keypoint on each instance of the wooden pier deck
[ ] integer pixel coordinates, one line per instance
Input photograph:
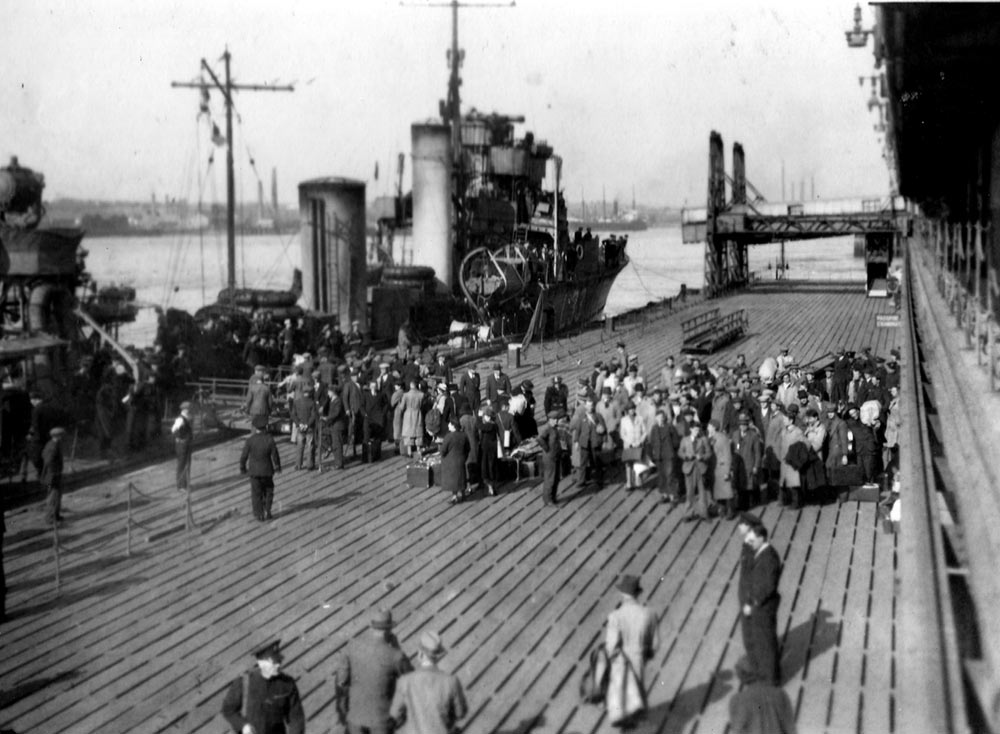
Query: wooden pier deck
(519, 591)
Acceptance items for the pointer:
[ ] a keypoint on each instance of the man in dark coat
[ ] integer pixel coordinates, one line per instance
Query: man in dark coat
(374, 410)
(748, 453)
(588, 436)
(265, 700)
(497, 384)
(759, 599)
(488, 436)
(548, 440)
(334, 422)
(51, 476)
(556, 396)
(468, 385)
(105, 411)
(351, 395)
(663, 442)
(366, 677)
(454, 451)
(866, 446)
(261, 460)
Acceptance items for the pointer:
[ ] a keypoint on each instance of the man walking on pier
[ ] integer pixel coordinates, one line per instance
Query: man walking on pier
(367, 675)
(265, 700)
(260, 457)
(428, 700)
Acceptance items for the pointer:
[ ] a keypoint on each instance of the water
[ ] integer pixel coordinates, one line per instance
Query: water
(187, 272)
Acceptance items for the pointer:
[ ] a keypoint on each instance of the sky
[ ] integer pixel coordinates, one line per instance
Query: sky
(626, 92)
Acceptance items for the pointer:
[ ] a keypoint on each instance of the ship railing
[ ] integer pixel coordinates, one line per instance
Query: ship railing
(967, 280)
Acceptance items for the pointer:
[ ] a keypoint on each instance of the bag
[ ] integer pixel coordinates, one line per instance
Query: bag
(633, 453)
(371, 450)
(528, 468)
(419, 475)
(432, 422)
(576, 456)
(594, 683)
(846, 476)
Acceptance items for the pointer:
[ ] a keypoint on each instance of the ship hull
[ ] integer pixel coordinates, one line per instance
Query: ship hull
(570, 305)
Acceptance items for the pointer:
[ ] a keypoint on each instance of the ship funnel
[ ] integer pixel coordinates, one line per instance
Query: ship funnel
(432, 186)
(332, 211)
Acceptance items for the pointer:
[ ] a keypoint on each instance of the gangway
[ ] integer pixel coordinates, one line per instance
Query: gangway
(728, 227)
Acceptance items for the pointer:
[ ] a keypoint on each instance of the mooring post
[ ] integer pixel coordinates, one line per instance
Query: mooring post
(55, 547)
(128, 524)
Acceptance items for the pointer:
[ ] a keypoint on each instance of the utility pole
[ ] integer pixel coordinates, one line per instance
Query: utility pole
(227, 90)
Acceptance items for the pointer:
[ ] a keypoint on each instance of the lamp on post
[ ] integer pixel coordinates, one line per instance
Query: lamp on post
(857, 37)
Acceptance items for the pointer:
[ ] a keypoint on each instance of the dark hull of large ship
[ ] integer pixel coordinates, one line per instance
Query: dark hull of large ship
(572, 304)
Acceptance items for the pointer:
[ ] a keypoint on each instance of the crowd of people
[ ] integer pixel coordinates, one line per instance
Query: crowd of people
(718, 440)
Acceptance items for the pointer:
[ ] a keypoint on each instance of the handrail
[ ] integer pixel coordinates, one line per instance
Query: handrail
(926, 642)
(106, 338)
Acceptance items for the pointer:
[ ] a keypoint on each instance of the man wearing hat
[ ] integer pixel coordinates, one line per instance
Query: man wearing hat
(552, 452)
(354, 339)
(588, 439)
(182, 432)
(304, 416)
(51, 475)
(748, 453)
(468, 385)
(265, 700)
(497, 384)
(261, 459)
(428, 700)
(366, 677)
(258, 400)
(333, 422)
(773, 422)
(350, 394)
(634, 628)
(556, 396)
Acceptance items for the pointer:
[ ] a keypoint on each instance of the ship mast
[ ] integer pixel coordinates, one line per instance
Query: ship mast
(451, 109)
(227, 90)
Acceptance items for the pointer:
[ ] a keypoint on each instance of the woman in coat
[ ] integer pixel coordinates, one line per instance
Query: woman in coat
(412, 429)
(454, 450)
(489, 441)
(790, 479)
(722, 478)
(633, 433)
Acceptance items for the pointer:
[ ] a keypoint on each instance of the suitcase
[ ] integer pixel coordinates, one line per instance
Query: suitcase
(529, 469)
(371, 451)
(419, 475)
(846, 476)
